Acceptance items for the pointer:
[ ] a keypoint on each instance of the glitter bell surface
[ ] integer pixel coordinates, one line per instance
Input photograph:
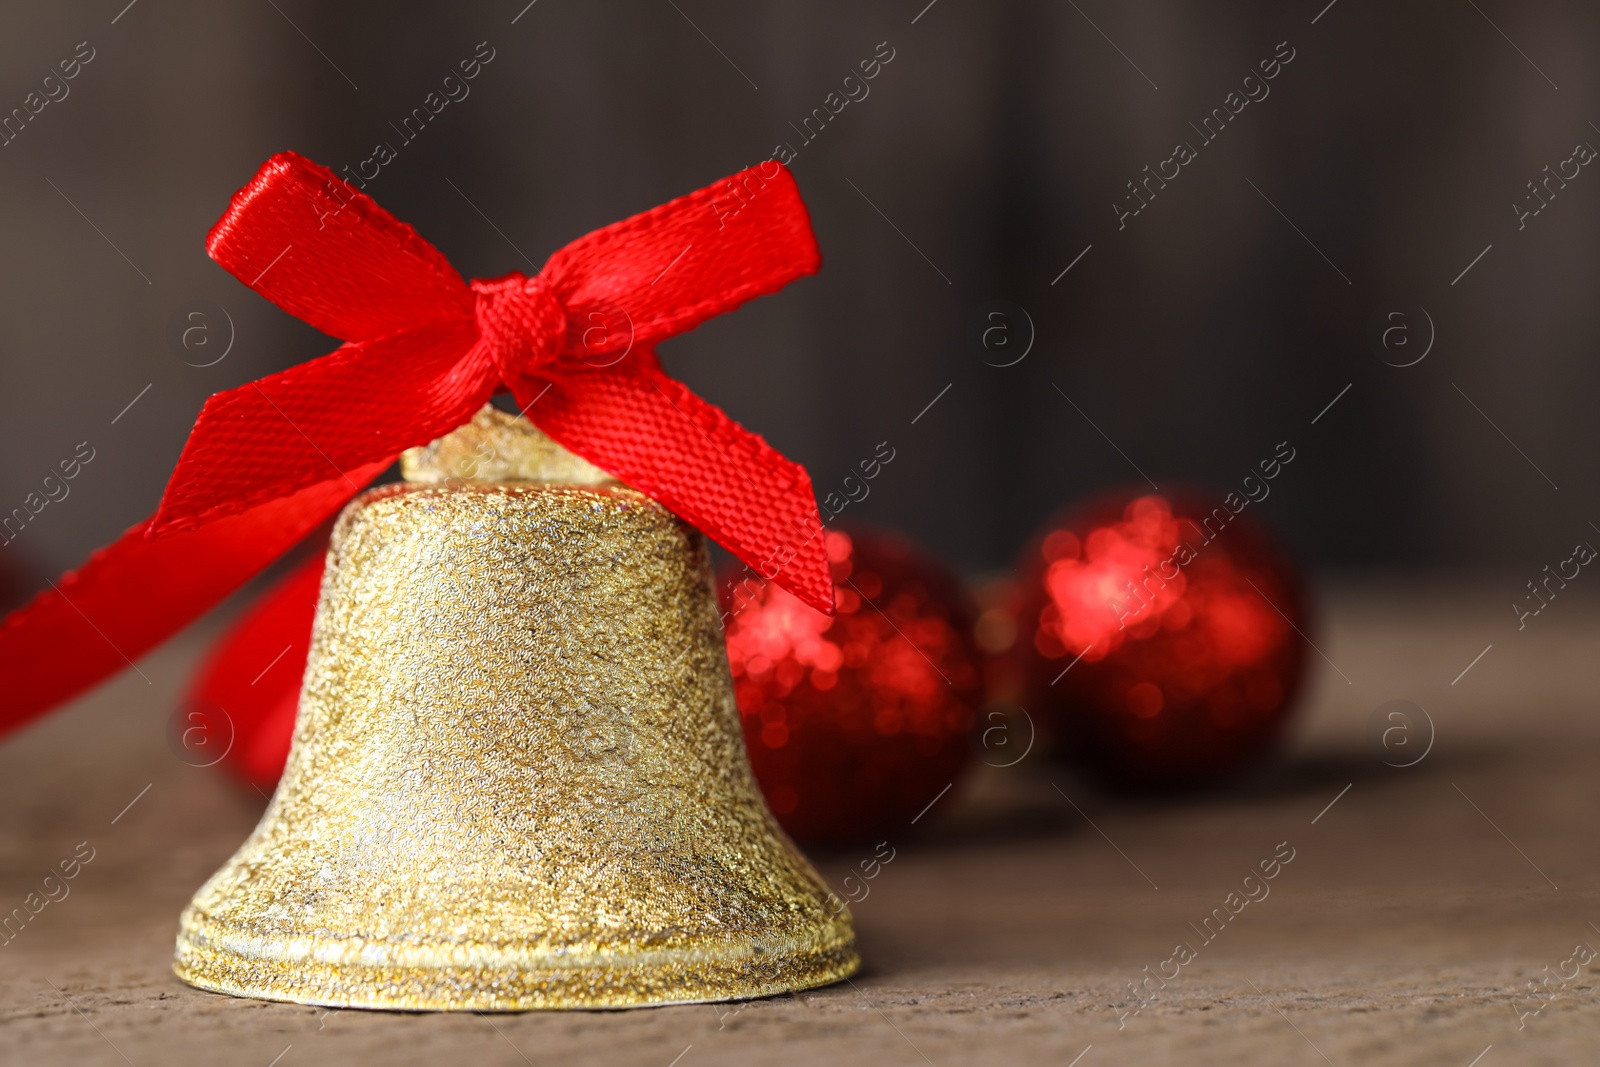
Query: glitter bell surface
(517, 778)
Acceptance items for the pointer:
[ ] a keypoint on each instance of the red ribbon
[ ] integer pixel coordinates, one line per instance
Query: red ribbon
(424, 350)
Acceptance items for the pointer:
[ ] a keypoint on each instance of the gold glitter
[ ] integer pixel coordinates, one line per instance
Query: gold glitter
(518, 779)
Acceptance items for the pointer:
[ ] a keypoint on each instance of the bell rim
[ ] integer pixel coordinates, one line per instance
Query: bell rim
(588, 985)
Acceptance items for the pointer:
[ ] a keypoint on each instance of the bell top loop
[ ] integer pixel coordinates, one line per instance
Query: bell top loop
(498, 447)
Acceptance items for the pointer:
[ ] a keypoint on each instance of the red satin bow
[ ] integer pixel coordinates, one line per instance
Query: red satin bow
(267, 462)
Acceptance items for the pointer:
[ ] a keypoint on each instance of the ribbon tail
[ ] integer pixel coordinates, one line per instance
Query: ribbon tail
(650, 431)
(321, 420)
(134, 594)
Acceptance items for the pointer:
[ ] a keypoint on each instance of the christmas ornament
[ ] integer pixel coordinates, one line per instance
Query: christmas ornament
(516, 778)
(1159, 638)
(247, 690)
(856, 723)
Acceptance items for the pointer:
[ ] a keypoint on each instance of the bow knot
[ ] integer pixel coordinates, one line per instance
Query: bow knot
(521, 325)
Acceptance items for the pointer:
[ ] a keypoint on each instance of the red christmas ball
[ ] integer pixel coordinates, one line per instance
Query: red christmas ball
(240, 708)
(856, 723)
(1158, 638)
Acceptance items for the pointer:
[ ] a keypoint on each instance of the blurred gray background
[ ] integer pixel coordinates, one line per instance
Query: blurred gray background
(985, 159)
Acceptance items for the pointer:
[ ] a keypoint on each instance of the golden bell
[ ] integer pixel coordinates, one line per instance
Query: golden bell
(517, 778)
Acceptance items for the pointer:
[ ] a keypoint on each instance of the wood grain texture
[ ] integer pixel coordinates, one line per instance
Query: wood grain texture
(1403, 932)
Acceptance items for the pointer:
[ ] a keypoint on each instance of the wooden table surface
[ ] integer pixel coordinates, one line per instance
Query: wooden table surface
(1416, 909)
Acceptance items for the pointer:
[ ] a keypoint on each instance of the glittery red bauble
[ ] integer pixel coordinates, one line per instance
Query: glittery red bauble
(1159, 638)
(856, 723)
(240, 709)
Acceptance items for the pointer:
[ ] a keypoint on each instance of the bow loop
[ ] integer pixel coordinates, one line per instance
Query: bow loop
(521, 325)
(307, 240)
